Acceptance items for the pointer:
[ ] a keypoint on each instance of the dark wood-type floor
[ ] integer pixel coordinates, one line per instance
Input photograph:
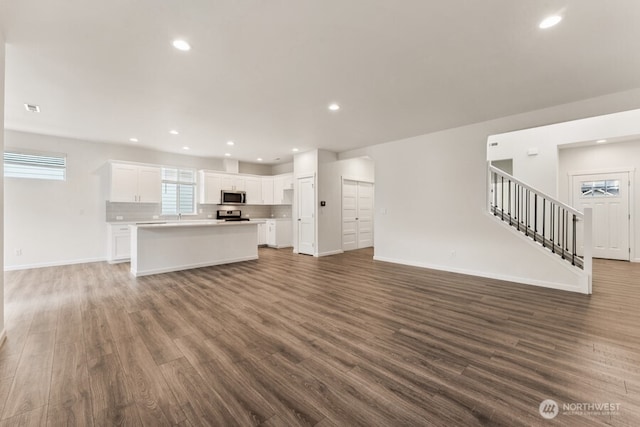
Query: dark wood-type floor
(293, 340)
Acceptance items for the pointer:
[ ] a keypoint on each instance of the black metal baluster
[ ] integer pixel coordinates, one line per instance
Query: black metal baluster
(502, 196)
(563, 231)
(553, 229)
(535, 216)
(544, 220)
(526, 212)
(573, 255)
(517, 217)
(509, 202)
(495, 193)
(566, 232)
(520, 197)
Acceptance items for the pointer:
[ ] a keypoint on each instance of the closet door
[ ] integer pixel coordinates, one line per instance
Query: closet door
(357, 214)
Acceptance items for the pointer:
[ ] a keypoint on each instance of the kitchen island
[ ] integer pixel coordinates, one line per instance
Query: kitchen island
(174, 246)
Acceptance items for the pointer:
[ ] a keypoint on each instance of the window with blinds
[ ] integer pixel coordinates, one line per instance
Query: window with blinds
(19, 164)
(178, 191)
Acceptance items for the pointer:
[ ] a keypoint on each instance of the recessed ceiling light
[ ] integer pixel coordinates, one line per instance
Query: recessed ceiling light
(185, 148)
(230, 143)
(227, 154)
(601, 141)
(33, 108)
(259, 159)
(295, 150)
(173, 132)
(550, 21)
(133, 139)
(181, 45)
(334, 107)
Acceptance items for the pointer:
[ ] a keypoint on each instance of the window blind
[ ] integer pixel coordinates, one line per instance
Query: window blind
(178, 191)
(35, 165)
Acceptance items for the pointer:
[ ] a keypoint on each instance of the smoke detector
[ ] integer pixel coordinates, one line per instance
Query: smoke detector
(32, 108)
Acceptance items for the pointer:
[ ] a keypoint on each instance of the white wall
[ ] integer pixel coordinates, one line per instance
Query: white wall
(282, 168)
(331, 172)
(56, 222)
(541, 170)
(604, 157)
(255, 169)
(2, 55)
(431, 200)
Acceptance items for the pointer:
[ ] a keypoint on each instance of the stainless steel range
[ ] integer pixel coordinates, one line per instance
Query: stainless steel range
(232, 215)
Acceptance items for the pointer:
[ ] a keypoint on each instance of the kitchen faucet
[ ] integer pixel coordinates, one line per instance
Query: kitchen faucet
(179, 216)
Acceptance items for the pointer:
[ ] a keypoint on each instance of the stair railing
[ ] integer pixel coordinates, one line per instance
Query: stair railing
(557, 226)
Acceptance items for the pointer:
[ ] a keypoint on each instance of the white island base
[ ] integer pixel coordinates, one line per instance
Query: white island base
(161, 248)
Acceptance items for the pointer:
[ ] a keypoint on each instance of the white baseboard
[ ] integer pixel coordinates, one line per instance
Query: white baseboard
(3, 337)
(488, 275)
(53, 264)
(328, 253)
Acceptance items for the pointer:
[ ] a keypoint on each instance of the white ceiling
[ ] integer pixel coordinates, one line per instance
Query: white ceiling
(262, 73)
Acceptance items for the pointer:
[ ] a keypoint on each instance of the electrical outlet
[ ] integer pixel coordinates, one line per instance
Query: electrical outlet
(18, 252)
(453, 253)
(119, 217)
(156, 217)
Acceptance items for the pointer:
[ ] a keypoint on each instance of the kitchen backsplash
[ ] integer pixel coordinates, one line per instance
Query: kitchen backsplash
(146, 212)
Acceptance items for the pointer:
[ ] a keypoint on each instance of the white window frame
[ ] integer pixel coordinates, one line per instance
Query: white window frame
(178, 183)
(26, 164)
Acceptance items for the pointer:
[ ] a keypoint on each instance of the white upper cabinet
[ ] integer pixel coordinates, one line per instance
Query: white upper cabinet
(253, 187)
(233, 183)
(261, 190)
(288, 181)
(135, 183)
(282, 189)
(267, 190)
(210, 187)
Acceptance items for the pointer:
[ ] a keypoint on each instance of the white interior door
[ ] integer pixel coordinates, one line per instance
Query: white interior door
(357, 214)
(306, 216)
(365, 214)
(349, 215)
(608, 196)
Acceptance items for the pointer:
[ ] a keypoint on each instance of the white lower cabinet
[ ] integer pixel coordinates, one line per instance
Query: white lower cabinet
(118, 243)
(279, 233)
(262, 234)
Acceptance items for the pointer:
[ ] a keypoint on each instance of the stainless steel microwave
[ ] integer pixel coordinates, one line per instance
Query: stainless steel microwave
(233, 197)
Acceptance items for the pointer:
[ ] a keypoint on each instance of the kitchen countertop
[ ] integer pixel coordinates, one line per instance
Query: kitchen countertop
(207, 221)
(193, 223)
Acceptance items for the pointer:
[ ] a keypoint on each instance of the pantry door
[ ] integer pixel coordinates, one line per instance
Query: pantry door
(357, 214)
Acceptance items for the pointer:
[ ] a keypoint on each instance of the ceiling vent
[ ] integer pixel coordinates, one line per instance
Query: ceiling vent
(32, 108)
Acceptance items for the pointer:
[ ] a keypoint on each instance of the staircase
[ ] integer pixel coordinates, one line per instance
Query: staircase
(561, 229)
